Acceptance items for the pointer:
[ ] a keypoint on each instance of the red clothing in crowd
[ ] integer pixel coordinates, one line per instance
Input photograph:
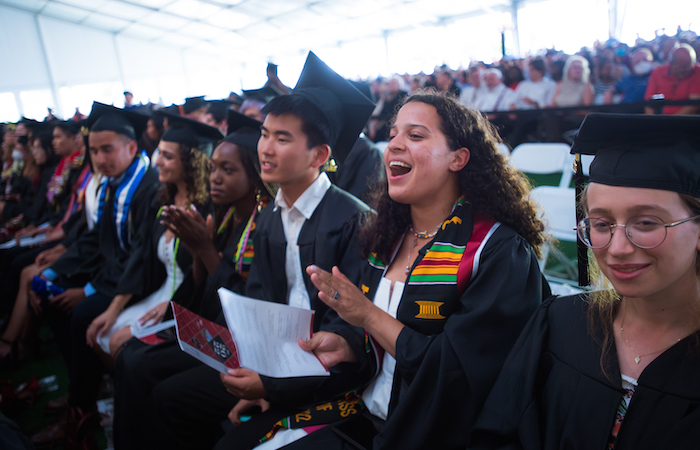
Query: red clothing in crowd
(663, 82)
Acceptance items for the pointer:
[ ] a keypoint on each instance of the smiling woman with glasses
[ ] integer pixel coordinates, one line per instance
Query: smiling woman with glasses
(617, 367)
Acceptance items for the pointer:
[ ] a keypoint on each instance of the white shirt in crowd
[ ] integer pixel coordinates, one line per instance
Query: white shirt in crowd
(541, 92)
(292, 221)
(497, 99)
(468, 95)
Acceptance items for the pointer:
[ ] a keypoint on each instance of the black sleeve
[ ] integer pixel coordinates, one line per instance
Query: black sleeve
(83, 253)
(510, 408)
(139, 269)
(446, 377)
(74, 228)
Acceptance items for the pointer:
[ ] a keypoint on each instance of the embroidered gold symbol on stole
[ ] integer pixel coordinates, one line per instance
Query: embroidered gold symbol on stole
(429, 310)
(365, 289)
(456, 220)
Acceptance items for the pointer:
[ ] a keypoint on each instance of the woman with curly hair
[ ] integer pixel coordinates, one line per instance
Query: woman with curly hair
(617, 367)
(155, 272)
(451, 278)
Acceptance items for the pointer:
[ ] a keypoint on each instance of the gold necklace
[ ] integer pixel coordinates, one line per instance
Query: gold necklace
(418, 235)
(639, 357)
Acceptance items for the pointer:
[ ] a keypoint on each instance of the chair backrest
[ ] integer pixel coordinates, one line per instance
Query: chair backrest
(586, 161)
(540, 157)
(503, 149)
(557, 208)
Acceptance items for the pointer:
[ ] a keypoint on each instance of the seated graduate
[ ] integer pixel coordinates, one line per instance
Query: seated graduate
(58, 209)
(90, 272)
(220, 258)
(154, 274)
(310, 222)
(617, 367)
(451, 278)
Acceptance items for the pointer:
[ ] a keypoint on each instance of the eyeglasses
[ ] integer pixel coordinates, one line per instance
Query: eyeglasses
(643, 231)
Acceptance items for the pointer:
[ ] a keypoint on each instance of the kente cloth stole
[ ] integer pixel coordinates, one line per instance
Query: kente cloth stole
(445, 263)
(123, 195)
(319, 415)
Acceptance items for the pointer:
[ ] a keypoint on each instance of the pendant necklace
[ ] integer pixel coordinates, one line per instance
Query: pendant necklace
(639, 357)
(418, 235)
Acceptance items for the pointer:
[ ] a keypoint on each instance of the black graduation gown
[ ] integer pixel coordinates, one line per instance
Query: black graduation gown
(32, 198)
(144, 273)
(54, 212)
(97, 254)
(329, 238)
(361, 170)
(447, 360)
(552, 393)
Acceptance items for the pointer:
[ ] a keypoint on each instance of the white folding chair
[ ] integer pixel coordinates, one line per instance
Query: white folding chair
(503, 149)
(557, 209)
(542, 158)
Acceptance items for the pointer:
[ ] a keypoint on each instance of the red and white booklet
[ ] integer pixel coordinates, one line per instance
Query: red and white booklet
(261, 336)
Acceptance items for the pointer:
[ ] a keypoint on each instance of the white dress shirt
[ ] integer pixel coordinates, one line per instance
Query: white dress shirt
(292, 221)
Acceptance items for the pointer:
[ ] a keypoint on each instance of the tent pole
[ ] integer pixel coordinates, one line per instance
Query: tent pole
(514, 7)
(58, 104)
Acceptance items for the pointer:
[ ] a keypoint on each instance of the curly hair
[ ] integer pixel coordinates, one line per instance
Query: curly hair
(487, 182)
(195, 165)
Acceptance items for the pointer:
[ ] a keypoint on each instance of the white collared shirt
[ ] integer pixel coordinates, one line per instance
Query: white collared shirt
(497, 99)
(292, 221)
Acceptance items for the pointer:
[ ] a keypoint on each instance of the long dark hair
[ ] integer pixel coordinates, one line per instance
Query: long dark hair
(487, 182)
(195, 165)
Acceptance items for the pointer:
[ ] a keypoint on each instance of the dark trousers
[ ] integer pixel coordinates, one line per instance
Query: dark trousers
(191, 406)
(86, 369)
(138, 369)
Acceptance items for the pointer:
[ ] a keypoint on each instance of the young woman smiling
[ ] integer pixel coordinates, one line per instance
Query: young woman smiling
(617, 367)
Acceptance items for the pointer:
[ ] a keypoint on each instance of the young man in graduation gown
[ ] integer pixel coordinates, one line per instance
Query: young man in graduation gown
(310, 222)
(91, 269)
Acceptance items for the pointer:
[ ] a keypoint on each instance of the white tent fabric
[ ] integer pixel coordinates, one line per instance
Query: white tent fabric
(56, 52)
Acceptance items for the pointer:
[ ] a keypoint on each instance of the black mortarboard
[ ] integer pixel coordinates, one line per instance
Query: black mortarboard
(70, 126)
(110, 118)
(193, 104)
(264, 94)
(346, 109)
(235, 99)
(243, 130)
(219, 109)
(635, 150)
(645, 151)
(191, 133)
(365, 88)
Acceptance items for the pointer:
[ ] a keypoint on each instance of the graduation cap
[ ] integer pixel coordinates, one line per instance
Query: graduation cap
(243, 130)
(645, 151)
(235, 99)
(193, 104)
(219, 109)
(191, 133)
(110, 118)
(346, 109)
(264, 94)
(71, 126)
(635, 150)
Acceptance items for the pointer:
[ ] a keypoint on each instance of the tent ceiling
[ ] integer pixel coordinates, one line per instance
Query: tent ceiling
(263, 28)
